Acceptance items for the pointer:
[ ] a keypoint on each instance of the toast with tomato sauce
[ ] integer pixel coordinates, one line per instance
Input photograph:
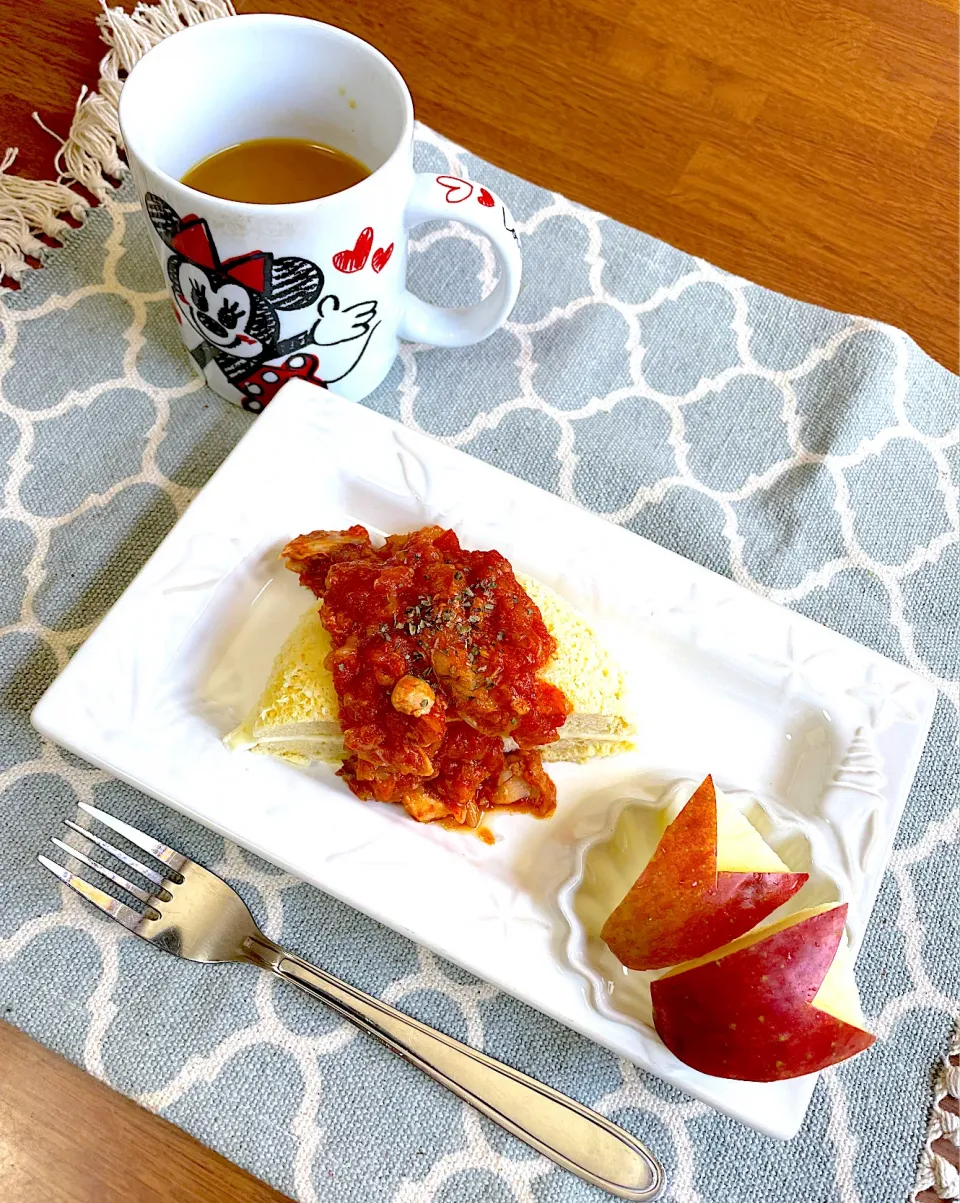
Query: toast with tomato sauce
(296, 715)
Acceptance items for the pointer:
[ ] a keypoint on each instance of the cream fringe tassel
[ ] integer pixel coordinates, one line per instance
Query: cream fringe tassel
(90, 154)
(937, 1172)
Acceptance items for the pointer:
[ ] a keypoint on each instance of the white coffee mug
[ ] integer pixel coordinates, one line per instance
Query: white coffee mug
(314, 289)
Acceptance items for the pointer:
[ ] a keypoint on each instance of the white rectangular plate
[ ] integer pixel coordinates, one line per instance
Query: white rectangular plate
(827, 733)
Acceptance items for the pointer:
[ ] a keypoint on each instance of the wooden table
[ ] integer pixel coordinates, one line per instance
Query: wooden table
(809, 145)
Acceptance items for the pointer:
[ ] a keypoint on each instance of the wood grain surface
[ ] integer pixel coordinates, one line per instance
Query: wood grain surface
(811, 146)
(66, 1138)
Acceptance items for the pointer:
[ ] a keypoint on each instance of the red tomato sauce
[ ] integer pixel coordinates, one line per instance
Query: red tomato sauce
(435, 660)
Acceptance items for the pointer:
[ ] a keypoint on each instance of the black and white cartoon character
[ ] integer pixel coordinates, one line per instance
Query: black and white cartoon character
(230, 312)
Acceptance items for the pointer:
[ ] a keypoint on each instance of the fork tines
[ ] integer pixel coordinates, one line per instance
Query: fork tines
(175, 860)
(110, 906)
(137, 891)
(127, 915)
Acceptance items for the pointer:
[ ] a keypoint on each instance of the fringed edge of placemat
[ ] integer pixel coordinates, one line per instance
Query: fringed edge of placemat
(938, 1176)
(90, 155)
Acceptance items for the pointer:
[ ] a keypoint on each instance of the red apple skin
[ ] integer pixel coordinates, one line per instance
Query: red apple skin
(680, 907)
(748, 1015)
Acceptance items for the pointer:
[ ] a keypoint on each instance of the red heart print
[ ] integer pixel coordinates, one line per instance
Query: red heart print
(457, 190)
(381, 257)
(353, 261)
(485, 199)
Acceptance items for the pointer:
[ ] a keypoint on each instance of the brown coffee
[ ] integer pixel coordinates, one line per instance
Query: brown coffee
(275, 171)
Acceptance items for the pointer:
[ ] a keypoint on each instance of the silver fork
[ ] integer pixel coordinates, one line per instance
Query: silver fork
(192, 913)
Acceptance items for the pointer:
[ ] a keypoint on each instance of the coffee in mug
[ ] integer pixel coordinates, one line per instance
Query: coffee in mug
(275, 171)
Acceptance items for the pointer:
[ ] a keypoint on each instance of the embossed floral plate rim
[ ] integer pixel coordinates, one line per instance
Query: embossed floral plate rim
(828, 733)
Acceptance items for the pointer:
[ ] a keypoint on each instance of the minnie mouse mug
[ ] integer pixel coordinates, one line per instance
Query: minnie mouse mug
(314, 289)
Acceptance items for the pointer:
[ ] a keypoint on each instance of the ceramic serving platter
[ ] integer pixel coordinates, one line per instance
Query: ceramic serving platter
(823, 733)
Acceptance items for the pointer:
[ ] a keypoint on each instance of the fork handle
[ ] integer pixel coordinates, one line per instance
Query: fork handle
(559, 1127)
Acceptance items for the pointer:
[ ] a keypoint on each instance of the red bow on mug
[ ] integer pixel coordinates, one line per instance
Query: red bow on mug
(194, 242)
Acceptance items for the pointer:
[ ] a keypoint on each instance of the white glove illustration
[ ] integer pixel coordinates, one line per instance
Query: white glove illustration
(336, 325)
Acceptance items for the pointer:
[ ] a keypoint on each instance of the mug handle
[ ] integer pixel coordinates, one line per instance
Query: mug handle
(450, 198)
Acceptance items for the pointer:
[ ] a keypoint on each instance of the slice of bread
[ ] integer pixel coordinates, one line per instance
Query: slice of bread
(296, 716)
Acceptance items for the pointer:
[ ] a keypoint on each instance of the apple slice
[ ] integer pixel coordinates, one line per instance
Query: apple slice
(777, 1003)
(711, 878)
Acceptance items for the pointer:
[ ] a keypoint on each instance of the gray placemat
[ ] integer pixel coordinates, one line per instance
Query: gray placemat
(810, 455)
